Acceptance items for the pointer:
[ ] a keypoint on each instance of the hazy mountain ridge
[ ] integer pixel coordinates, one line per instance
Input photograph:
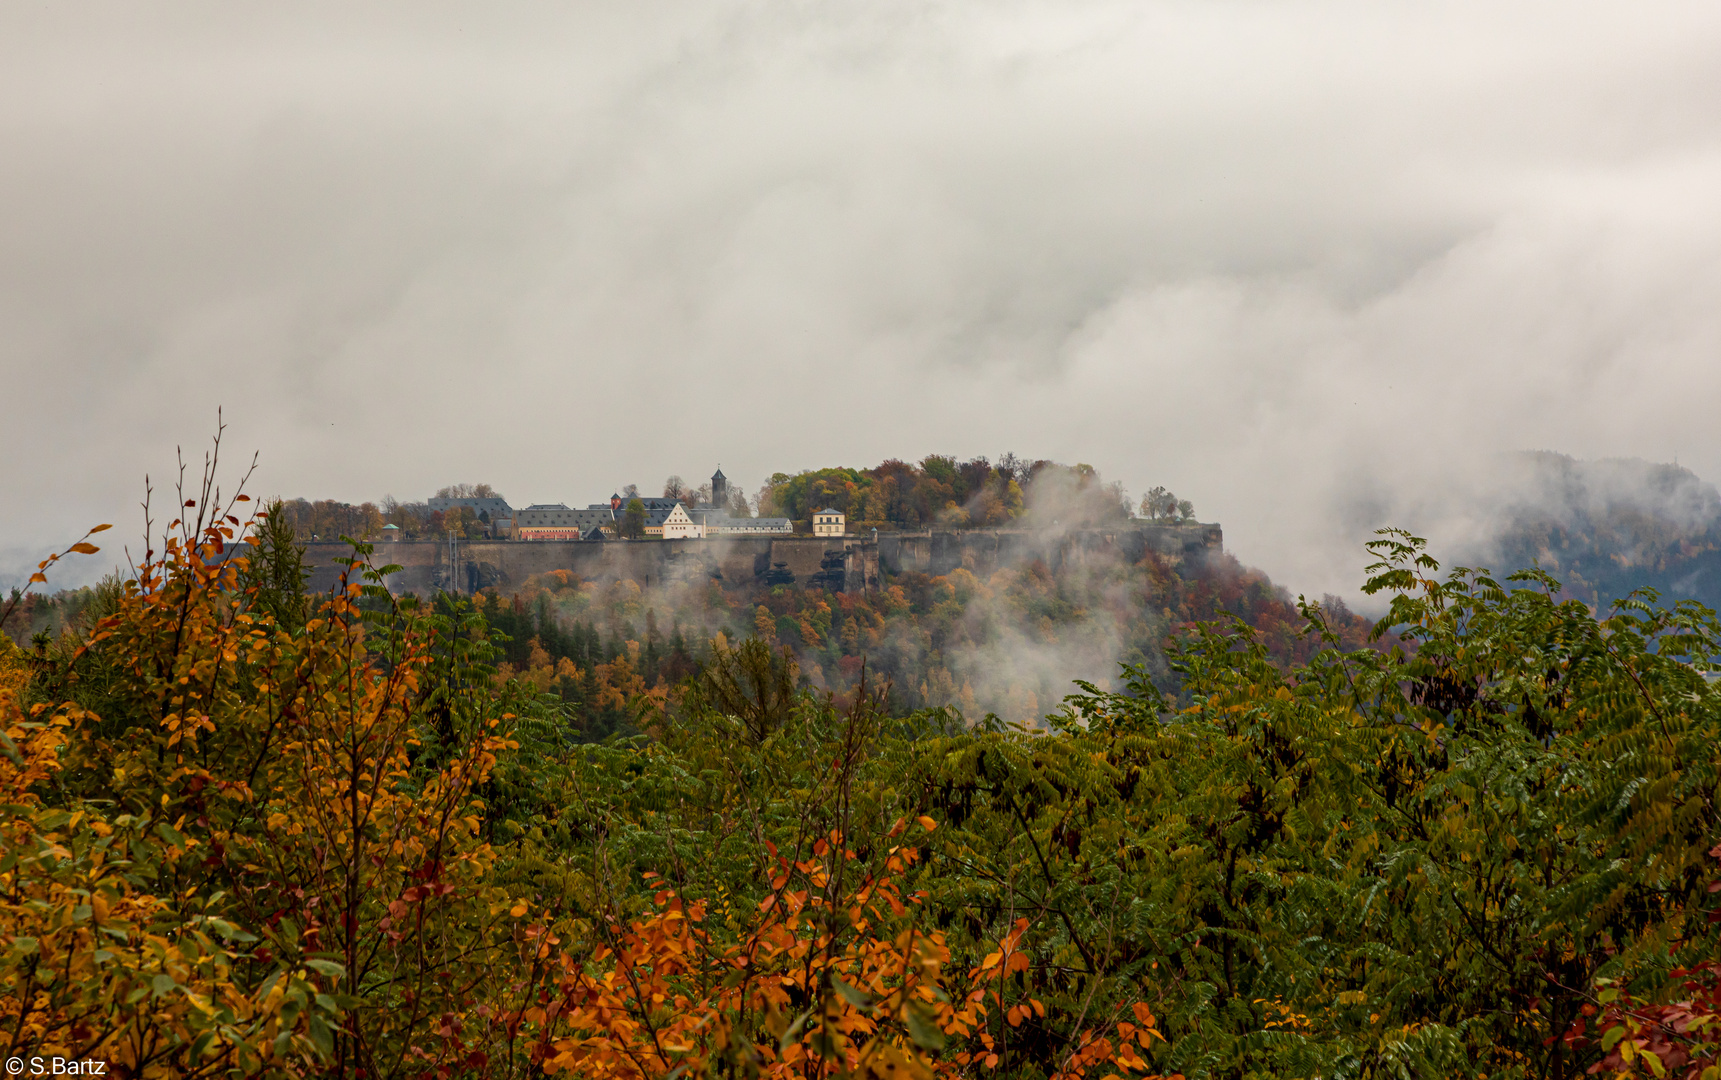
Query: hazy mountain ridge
(1603, 528)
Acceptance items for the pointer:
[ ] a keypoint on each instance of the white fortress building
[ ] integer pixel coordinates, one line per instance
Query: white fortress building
(829, 522)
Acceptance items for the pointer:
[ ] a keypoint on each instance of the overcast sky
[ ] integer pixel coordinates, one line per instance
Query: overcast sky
(1306, 264)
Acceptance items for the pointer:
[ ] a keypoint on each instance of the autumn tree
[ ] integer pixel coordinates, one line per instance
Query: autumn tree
(1162, 506)
(262, 854)
(468, 491)
(633, 520)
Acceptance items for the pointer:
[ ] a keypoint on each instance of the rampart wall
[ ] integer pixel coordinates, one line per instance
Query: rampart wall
(849, 564)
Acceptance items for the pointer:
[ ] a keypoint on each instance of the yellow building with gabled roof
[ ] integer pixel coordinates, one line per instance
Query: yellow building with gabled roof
(829, 522)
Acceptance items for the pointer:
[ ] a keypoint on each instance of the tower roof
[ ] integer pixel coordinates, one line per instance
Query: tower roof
(718, 475)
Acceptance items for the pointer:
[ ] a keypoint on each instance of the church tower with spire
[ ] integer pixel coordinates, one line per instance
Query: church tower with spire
(719, 489)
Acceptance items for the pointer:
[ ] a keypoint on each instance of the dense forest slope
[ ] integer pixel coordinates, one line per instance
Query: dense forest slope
(1009, 645)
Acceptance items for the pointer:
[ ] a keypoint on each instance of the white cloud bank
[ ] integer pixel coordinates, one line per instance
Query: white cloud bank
(1308, 264)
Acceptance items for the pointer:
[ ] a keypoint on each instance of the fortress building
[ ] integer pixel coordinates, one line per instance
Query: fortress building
(679, 526)
(557, 521)
(715, 522)
(828, 522)
(713, 518)
(667, 519)
(547, 521)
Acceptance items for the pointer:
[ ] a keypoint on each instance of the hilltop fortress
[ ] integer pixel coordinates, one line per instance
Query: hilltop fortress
(691, 537)
(839, 563)
(665, 518)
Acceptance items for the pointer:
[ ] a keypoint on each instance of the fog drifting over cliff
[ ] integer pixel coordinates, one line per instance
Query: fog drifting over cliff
(1311, 265)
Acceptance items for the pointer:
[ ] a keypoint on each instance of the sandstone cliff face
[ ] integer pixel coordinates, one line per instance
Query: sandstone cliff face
(849, 564)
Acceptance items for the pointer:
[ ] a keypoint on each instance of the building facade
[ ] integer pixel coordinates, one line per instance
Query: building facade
(547, 521)
(679, 525)
(719, 523)
(667, 519)
(829, 522)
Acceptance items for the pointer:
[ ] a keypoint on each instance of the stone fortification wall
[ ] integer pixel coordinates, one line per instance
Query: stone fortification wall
(850, 564)
(985, 551)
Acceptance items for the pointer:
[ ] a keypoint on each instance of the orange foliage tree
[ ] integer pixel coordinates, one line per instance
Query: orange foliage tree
(263, 854)
(827, 976)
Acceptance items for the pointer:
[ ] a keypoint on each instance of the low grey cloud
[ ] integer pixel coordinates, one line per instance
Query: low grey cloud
(1313, 265)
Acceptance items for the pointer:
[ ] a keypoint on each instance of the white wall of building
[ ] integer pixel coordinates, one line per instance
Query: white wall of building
(829, 524)
(678, 526)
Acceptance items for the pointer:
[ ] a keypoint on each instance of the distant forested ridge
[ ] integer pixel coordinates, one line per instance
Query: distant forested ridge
(1008, 644)
(940, 490)
(1604, 528)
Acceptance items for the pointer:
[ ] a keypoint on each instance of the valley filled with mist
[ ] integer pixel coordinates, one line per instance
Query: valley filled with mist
(1011, 641)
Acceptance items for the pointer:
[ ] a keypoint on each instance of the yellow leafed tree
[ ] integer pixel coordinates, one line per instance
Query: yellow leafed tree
(264, 856)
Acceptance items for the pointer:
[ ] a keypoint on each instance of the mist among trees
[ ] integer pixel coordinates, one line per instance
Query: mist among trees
(596, 831)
